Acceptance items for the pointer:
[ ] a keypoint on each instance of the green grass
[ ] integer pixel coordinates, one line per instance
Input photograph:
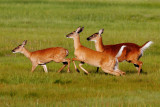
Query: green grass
(44, 23)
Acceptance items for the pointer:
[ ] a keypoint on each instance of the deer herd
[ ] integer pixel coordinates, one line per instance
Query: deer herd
(106, 56)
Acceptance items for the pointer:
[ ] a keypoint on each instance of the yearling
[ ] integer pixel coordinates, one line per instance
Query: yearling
(132, 53)
(42, 57)
(108, 63)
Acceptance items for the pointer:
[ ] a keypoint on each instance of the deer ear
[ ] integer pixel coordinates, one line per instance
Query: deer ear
(24, 43)
(100, 31)
(79, 29)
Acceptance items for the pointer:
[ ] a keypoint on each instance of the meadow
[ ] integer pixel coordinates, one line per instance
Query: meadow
(45, 23)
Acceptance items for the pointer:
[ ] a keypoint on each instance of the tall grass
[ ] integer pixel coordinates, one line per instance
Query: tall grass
(44, 23)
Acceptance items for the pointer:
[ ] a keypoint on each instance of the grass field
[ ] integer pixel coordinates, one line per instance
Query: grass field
(44, 23)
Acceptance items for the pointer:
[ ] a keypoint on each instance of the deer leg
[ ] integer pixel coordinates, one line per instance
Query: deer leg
(97, 69)
(107, 70)
(120, 72)
(69, 61)
(45, 68)
(76, 67)
(138, 65)
(116, 68)
(65, 63)
(62, 67)
(33, 67)
(111, 72)
(80, 65)
(73, 60)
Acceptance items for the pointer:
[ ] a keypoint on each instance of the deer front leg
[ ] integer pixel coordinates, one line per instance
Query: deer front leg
(73, 60)
(45, 68)
(80, 65)
(34, 65)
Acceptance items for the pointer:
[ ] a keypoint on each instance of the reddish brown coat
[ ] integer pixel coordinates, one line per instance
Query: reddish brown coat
(41, 57)
(131, 53)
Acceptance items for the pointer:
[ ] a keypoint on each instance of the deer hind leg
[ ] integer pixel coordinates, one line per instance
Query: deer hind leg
(135, 60)
(120, 72)
(62, 67)
(67, 62)
(111, 68)
(116, 68)
(137, 64)
(45, 68)
(111, 72)
(80, 65)
(73, 60)
(137, 67)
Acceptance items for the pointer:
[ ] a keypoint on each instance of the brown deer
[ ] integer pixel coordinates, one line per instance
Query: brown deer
(108, 63)
(132, 53)
(42, 57)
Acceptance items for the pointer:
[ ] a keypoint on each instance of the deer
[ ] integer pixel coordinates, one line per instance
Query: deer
(108, 63)
(132, 53)
(44, 56)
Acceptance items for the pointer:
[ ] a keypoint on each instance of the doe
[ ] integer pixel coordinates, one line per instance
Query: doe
(132, 53)
(108, 63)
(42, 57)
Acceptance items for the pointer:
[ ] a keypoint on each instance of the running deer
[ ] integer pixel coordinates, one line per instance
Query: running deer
(132, 53)
(108, 63)
(42, 57)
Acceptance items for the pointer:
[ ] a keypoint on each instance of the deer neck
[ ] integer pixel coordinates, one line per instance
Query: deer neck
(99, 45)
(26, 52)
(77, 43)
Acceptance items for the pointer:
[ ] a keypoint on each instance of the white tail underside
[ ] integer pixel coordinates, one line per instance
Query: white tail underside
(120, 51)
(145, 47)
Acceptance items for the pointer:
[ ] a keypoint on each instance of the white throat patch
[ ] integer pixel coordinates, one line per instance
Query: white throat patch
(94, 40)
(69, 37)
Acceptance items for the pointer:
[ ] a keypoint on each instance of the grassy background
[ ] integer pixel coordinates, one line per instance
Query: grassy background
(44, 23)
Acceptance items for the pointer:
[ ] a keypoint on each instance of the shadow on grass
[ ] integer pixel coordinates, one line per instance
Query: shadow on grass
(59, 81)
(100, 72)
(31, 95)
(135, 72)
